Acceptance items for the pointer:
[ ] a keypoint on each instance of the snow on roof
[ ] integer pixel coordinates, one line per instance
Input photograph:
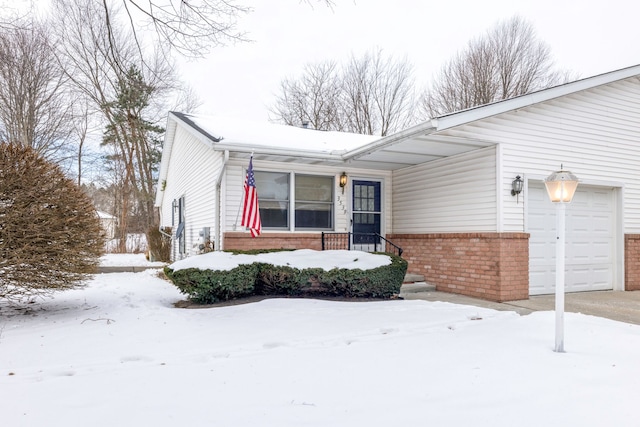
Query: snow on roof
(233, 131)
(104, 215)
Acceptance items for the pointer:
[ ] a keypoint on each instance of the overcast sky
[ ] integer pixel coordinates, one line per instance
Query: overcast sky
(588, 37)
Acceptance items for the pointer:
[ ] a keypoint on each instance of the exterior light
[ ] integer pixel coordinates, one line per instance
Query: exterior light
(561, 186)
(516, 186)
(343, 181)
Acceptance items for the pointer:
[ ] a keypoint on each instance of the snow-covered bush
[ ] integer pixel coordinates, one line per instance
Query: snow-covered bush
(208, 285)
(50, 233)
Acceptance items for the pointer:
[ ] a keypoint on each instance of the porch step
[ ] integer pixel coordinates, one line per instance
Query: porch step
(412, 278)
(412, 288)
(415, 283)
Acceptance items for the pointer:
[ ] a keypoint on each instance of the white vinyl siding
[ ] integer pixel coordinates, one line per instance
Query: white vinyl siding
(453, 194)
(594, 133)
(192, 174)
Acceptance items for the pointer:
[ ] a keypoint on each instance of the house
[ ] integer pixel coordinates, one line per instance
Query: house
(108, 223)
(442, 190)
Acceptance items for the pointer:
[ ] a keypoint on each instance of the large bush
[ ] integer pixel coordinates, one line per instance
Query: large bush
(208, 286)
(50, 234)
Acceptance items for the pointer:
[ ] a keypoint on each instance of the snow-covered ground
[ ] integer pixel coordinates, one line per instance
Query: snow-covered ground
(127, 260)
(118, 353)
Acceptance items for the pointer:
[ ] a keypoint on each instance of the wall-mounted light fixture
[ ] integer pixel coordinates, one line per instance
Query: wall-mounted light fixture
(343, 181)
(516, 186)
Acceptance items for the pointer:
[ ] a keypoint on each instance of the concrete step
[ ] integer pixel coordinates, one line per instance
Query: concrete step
(412, 277)
(412, 288)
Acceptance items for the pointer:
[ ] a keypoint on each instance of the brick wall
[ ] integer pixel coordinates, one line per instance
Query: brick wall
(492, 266)
(632, 262)
(244, 241)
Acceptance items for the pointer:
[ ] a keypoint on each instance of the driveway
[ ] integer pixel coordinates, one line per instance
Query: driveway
(615, 305)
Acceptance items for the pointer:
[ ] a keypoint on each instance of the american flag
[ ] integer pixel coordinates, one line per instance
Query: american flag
(251, 212)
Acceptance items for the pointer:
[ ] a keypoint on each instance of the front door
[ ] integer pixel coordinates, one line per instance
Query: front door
(366, 219)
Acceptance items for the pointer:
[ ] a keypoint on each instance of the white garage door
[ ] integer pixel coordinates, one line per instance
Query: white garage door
(589, 251)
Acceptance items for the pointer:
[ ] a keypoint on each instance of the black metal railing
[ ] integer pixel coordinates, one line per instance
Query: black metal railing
(368, 242)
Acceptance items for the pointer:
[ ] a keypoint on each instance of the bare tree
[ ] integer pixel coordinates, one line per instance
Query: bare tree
(378, 94)
(189, 27)
(187, 100)
(130, 94)
(35, 110)
(313, 100)
(371, 95)
(507, 61)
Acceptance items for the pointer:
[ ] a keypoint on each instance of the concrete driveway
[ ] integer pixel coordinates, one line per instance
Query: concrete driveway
(615, 305)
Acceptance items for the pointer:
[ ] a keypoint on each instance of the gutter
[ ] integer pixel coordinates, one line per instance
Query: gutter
(422, 129)
(288, 152)
(217, 240)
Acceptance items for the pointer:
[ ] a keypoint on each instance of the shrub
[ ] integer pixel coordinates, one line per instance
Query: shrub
(50, 233)
(380, 282)
(208, 286)
(284, 280)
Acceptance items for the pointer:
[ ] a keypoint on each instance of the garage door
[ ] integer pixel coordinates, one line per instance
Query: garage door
(589, 251)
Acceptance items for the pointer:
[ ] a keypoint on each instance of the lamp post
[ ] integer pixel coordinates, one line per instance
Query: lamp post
(561, 186)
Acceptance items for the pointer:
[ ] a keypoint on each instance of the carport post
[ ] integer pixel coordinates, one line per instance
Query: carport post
(561, 186)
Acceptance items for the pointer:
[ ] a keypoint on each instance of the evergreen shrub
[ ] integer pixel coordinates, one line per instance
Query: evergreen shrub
(380, 282)
(50, 234)
(209, 286)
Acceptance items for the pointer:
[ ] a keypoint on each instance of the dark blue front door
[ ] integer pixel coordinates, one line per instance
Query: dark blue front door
(366, 212)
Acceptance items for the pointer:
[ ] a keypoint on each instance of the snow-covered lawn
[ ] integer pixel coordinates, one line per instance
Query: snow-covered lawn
(127, 260)
(119, 354)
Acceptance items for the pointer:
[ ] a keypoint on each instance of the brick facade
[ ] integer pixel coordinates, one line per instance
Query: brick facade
(492, 266)
(632, 262)
(244, 241)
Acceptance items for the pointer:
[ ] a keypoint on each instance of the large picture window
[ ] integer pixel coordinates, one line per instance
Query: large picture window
(312, 201)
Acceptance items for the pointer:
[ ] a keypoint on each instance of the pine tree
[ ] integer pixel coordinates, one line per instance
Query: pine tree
(136, 152)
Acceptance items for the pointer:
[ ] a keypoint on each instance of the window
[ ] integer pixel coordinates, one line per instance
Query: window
(312, 201)
(273, 198)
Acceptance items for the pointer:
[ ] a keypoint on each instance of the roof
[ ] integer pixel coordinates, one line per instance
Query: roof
(418, 144)
(244, 135)
(425, 142)
(104, 215)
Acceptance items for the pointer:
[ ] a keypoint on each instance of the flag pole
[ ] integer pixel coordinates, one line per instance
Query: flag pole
(244, 190)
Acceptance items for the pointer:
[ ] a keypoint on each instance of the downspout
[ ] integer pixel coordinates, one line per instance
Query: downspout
(218, 237)
(164, 233)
